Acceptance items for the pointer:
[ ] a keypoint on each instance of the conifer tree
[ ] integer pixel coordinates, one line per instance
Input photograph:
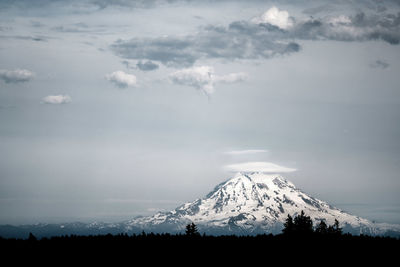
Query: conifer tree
(288, 225)
(191, 230)
(322, 228)
(303, 224)
(337, 230)
(32, 238)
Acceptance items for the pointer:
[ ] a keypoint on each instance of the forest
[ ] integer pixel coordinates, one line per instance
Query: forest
(299, 237)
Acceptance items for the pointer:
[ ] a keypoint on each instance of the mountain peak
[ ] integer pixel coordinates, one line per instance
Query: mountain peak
(264, 179)
(252, 175)
(250, 203)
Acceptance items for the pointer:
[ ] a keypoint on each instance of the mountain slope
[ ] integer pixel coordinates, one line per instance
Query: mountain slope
(252, 203)
(247, 204)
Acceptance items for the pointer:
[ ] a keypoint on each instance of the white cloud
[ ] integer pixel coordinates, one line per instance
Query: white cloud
(122, 79)
(57, 99)
(232, 77)
(245, 152)
(276, 17)
(258, 166)
(15, 76)
(198, 77)
(204, 78)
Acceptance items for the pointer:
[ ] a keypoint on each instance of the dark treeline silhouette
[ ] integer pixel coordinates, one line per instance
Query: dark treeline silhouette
(191, 230)
(299, 237)
(302, 225)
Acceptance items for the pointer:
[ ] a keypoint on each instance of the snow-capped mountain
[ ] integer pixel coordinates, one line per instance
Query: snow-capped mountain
(249, 203)
(252, 203)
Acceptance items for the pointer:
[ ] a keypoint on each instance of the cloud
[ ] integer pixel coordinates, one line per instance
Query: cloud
(245, 152)
(275, 17)
(57, 99)
(170, 51)
(272, 34)
(319, 9)
(16, 76)
(232, 77)
(122, 79)
(127, 64)
(127, 3)
(203, 78)
(198, 77)
(26, 37)
(70, 29)
(239, 40)
(258, 166)
(359, 27)
(379, 64)
(147, 65)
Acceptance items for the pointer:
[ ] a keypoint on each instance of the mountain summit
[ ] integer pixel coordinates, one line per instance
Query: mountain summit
(252, 203)
(247, 204)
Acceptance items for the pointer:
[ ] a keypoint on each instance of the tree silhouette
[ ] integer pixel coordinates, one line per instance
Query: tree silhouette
(322, 228)
(335, 229)
(303, 224)
(191, 230)
(300, 224)
(32, 238)
(288, 225)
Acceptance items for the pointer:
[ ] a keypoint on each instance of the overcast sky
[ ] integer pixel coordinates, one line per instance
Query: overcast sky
(111, 109)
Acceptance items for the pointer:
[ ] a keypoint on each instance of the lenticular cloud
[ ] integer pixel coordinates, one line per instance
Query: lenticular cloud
(258, 166)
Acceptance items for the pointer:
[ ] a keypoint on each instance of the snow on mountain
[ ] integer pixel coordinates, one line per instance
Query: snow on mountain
(248, 204)
(252, 203)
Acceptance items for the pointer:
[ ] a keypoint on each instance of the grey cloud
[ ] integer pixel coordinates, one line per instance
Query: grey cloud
(16, 76)
(86, 5)
(379, 64)
(33, 38)
(127, 64)
(26, 37)
(76, 27)
(5, 28)
(125, 3)
(248, 40)
(244, 40)
(66, 29)
(147, 65)
(359, 27)
(138, 3)
(26, 7)
(240, 40)
(171, 51)
(319, 9)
